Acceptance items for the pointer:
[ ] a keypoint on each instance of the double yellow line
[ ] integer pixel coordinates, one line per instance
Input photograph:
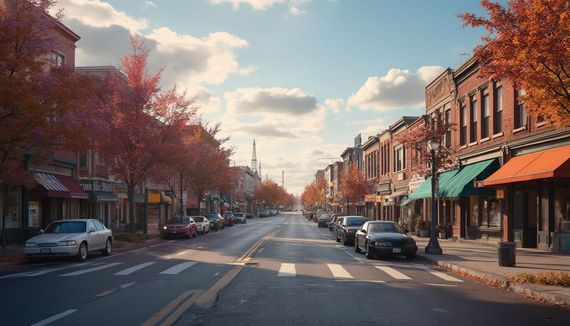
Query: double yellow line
(170, 314)
(246, 257)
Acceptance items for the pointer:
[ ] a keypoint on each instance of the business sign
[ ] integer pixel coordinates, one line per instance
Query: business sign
(500, 194)
(97, 185)
(415, 182)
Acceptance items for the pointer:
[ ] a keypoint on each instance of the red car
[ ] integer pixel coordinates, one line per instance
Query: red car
(182, 226)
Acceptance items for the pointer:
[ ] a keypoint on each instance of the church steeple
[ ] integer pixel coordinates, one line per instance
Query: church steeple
(254, 159)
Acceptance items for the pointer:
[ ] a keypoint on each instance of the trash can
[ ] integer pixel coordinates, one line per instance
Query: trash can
(507, 254)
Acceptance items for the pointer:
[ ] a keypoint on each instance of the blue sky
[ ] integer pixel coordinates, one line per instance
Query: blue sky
(302, 77)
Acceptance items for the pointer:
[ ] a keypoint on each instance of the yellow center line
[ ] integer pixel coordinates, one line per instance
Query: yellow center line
(156, 318)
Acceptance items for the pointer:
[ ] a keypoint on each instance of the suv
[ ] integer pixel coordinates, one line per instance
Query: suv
(228, 218)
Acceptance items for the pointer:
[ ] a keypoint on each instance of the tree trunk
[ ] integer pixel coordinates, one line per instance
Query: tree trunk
(3, 211)
(131, 215)
(182, 213)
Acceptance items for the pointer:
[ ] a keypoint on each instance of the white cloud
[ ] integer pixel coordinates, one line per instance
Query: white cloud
(295, 6)
(98, 13)
(208, 103)
(395, 90)
(334, 104)
(148, 4)
(270, 100)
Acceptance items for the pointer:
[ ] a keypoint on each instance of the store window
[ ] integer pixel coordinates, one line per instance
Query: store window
(474, 211)
(562, 209)
(12, 207)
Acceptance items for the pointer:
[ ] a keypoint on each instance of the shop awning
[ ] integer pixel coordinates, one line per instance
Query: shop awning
(60, 186)
(551, 163)
(462, 184)
(424, 190)
(406, 201)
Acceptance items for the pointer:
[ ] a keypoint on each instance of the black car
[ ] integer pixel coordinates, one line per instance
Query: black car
(347, 228)
(216, 221)
(323, 220)
(384, 238)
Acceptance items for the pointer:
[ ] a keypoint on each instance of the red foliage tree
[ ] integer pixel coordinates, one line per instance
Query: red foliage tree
(273, 194)
(527, 43)
(354, 186)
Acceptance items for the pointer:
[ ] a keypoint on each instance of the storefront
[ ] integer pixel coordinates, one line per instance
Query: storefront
(102, 201)
(536, 188)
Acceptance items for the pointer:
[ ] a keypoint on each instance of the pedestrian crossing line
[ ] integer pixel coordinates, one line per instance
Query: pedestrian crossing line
(89, 270)
(338, 271)
(442, 285)
(178, 268)
(394, 273)
(133, 269)
(445, 277)
(287, 270)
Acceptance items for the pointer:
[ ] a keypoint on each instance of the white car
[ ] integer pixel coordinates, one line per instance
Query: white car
(202, 223)
(77, 237)
(240, 217)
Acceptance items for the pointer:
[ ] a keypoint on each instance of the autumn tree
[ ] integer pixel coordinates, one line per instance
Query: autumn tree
(527, 43)
(354, 184)
(141, 123)
(271, 194)
(40, 103)
(313, 194)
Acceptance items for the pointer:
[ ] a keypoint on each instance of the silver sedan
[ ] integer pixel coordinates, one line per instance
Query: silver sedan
(202, 224)
(76, 238)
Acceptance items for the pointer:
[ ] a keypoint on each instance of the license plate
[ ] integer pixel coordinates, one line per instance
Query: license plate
(174, 232)
(45, 251)
(396, 250)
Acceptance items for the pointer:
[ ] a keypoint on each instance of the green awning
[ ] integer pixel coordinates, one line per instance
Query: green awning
(424, 190)
(461, 185)
(405, 201)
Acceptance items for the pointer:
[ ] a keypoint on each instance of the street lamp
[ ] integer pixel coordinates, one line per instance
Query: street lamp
(433, 245)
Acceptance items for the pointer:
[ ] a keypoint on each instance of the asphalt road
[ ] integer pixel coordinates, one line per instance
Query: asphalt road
(275, 271)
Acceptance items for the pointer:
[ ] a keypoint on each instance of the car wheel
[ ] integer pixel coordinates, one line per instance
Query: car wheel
(368, 252)
(344, 241)
(82, 252)
(356, 248)
(411, 256)
(108, 248)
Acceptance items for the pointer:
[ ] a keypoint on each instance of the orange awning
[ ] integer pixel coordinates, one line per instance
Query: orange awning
(551, 163)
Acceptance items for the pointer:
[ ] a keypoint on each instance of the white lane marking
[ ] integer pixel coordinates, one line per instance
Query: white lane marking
(217, 273)
(158, 245)
(124, 286)
(138, 250)
(112, 256)
(338, 271)
(89, 270)
(181, 253)
(178, 268)
(43, 271)
(445, 277)
(364, 281)
(133, 269)
(55, 317)
(438, 284)
(394, 273)
(260, 250)
(287, 270)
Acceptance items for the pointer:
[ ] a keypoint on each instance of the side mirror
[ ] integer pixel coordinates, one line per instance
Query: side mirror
(363, 231)
(42, 231)
(91, 230)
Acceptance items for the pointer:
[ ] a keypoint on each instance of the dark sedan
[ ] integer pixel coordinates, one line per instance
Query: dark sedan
(347, 228)
(323, 220)
(384, 238)
(216, 221)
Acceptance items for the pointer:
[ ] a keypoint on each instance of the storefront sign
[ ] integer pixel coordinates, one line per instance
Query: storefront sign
(500, 194)
(153, 197)
(369, 198)
(97, 185)
(415, 182)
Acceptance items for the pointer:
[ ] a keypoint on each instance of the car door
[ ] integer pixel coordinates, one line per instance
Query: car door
(102, 233)
(93, 237)
(361, 235)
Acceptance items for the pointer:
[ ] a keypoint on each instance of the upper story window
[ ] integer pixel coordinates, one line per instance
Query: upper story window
(485, 115)
(83, 159)
(463, 124)
(520, 111)
(399, 158)
(447, 120)
(498, 111)
(473, 120)
(57, 59)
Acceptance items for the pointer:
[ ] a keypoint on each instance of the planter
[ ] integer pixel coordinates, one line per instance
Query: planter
(423, 233)
(442, 235)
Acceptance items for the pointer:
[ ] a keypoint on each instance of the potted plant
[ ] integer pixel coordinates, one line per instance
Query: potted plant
(442, 231)
(422, 228)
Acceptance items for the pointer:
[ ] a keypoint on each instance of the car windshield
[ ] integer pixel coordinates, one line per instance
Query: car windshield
(66, 227)
(212, 217)
(325, 216)
(354, 221)
(179, 220)
(239, 215)
(198, 218)
(385, 227)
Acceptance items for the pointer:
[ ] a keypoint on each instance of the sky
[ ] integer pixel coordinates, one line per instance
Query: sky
(301, 77)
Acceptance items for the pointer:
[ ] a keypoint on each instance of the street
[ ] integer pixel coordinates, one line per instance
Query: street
(288, 272)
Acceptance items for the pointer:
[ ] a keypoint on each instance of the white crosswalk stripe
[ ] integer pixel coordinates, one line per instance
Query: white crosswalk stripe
(445, 277)
(133, 269)
(338, 271)
(89, 270)
(394, 273)
(287, 270)
(178, 268)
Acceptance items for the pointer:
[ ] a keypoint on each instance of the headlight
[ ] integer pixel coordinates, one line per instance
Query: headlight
(411, 243)
(165, 228)
(31, 245)
(67, 243)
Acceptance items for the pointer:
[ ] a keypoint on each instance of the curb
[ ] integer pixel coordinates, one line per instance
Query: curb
(504, 282)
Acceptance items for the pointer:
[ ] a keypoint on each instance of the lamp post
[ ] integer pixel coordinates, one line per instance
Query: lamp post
(433, 245)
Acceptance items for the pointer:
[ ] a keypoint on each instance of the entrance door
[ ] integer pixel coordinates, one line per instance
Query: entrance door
(531, 219)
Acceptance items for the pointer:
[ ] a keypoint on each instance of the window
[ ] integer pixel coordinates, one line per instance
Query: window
(520, 110)
(463, 124)
(498, 111)
(57, 59)
(399, 158)
(473, 129)
(83, 160)
(447, 120)
(485, 115)
(99, 225)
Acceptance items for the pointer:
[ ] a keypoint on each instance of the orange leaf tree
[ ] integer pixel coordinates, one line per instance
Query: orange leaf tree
(528, 43)
(354, 185)
(272, 194)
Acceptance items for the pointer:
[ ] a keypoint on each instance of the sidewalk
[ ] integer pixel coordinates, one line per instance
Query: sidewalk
(480, 260)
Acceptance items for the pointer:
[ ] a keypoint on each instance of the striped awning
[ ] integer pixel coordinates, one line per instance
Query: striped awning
(60, 186)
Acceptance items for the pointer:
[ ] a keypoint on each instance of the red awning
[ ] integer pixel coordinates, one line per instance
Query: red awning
(191, 202)
(60, 186)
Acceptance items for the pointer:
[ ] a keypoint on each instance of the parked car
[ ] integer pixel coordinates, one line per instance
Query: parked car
(347, 229)
(202, 224)
(180, 226)
(323, 220)
(333, 220)
(384, 238)
(248, 215)
(240, 218)
(228, 218)
(264, 213)
(216, 221)
(76, 237)
(336, 225)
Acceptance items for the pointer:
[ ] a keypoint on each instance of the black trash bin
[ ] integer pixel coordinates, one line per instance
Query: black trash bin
(507, 254)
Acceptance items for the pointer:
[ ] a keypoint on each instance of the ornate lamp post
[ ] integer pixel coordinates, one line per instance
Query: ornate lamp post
(433, 245)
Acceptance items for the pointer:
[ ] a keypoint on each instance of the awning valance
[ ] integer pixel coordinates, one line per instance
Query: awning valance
(462, 184)
(60, 186)
(424, 190)
(551, 163)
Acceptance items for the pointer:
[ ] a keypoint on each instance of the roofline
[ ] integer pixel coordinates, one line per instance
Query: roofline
(447, 70)
(371, 140)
